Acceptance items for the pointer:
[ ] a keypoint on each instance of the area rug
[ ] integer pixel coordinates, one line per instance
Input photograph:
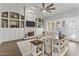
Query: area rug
(25, 47)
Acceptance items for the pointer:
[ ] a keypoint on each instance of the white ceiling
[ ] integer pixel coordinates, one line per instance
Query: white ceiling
(60, 7)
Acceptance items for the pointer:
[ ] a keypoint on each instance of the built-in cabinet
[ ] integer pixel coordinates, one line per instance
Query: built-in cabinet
(9, 34)
(11, 26)
(1, 35)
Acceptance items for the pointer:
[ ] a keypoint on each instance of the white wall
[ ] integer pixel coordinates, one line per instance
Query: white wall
(14, 7)
(68, 16)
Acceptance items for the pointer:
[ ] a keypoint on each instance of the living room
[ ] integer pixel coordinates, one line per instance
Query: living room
(39, 29)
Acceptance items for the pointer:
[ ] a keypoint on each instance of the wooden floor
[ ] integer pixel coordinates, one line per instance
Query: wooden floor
(11, 49)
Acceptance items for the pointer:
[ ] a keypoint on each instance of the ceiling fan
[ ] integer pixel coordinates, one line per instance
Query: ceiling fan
(49, 8)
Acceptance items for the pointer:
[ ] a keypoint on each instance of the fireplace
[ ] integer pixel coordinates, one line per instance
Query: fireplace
(30, 34)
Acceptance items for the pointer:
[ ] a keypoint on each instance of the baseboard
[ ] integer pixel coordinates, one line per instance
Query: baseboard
(77, 41)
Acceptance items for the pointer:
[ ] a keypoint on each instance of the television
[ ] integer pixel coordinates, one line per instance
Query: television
(30, 24)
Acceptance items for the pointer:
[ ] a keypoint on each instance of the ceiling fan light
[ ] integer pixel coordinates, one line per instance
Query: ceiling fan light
(44, 11)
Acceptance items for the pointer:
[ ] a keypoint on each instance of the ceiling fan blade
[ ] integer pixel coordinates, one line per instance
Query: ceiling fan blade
(43, 4)
(50, 5)
(38, 7)
(51, 8)
(49, 11)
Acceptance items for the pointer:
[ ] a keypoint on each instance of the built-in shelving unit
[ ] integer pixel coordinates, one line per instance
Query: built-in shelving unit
(12, 20)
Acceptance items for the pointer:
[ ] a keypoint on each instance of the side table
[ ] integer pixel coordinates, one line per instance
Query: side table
(37, 47)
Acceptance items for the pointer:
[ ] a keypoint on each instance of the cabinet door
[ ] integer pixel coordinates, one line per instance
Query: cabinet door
(21, 32)
(12, 35)
(6, 34)
(1, 35)
(16, 33)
